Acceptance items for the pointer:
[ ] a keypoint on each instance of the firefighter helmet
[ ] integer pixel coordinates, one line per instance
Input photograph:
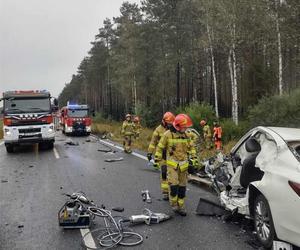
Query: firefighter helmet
(168, 118)
(128, 115)
(182, 121)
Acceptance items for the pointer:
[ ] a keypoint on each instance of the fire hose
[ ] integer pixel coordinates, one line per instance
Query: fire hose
(114, 232)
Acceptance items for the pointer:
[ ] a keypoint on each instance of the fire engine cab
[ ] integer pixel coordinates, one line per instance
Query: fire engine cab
(75, 119)
(27, 118)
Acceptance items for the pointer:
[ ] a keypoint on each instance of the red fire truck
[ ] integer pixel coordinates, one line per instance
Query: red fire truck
(75, 119)
(27, 118)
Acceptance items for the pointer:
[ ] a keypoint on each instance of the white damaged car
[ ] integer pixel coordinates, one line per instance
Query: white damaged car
(264, 183)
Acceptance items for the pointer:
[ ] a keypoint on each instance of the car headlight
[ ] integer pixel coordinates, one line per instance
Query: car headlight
(50, 129)
(7, 132)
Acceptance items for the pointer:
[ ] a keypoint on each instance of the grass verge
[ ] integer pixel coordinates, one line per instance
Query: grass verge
(112, 131)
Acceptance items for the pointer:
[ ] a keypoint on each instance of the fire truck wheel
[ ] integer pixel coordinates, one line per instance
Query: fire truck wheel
(88, 133)
(9, 148)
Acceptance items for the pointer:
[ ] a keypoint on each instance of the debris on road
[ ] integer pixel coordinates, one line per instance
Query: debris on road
(107, 151)
(209, 208)
(4, 181)
(88, 140)
(146, 196)
(20, 226)
(118, 209)
(31, 166)
(71, 143)
(113, 160)
(149, 217)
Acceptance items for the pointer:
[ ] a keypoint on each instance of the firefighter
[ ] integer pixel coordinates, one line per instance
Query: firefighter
(128, 133)
(166, 123)
(206, 134)
(217, 136)
(137, 127)
(195, 139)
(180, 159)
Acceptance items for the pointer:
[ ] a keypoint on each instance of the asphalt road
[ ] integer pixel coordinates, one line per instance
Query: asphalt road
(32, 181)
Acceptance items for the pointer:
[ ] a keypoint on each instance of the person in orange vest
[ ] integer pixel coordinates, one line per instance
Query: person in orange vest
(217, 136)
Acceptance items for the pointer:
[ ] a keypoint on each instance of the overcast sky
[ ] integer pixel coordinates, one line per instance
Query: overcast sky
(42, 42)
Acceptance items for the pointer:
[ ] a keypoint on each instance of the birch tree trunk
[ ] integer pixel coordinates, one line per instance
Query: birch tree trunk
(280, 82)
(134, 95)
(233, 77)
(235, 113)
(213, 70)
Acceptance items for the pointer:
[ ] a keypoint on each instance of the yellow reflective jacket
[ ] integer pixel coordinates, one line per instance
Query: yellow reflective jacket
(179, 149)
(193, 136)
(127, 128)
(157, 134)
(206, 131)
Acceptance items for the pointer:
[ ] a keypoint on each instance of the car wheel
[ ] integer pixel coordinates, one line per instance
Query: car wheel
(263, 222)
(50, 145)
(9, 148)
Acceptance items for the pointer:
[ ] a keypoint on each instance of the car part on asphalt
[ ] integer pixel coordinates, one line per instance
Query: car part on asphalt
(106, 150)
(118, 209)
(71, 143)
(149, 217)
(113, 160)
(280, 245)
(209, 208)
(146, 196)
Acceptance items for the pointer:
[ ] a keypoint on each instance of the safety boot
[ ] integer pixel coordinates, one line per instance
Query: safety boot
(175, 208)
(181, 211)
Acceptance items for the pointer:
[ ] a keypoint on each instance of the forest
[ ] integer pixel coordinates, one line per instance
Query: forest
(165, 55)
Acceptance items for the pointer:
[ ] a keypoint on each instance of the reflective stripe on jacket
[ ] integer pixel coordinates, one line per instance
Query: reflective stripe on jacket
(206, 131)
(179, 149)
(157, 134)
(127, 128)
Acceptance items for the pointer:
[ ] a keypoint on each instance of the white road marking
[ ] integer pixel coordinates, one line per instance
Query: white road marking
(118, 147)
(56, 153)
(88, 239)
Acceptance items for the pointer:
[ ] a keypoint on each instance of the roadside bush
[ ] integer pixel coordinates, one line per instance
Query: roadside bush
(199, 111)
(232, 132)
(150, 116)
(277, 111)
(99, 118)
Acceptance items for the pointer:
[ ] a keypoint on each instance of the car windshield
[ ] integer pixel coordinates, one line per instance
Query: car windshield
(295, 148)
(78, 112)
(26, 105)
